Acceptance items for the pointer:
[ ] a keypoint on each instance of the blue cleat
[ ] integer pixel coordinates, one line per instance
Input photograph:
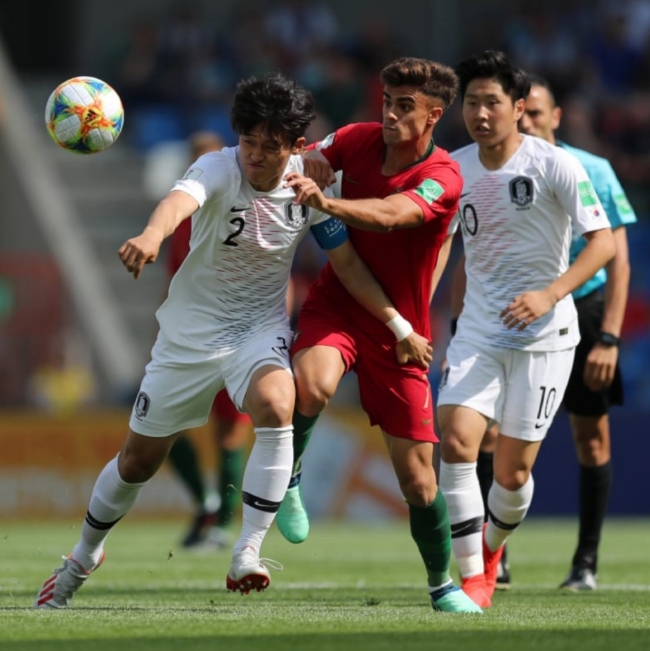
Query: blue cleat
(292, 518)
(451, 599)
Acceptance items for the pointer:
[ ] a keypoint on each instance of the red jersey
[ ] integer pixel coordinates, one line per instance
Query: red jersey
(179, 246)
(402, 260)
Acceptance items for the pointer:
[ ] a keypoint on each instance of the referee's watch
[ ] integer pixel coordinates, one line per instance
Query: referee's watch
(608, 339)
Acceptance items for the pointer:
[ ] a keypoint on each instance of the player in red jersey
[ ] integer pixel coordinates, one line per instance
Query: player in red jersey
(400, 192)
(231, 429)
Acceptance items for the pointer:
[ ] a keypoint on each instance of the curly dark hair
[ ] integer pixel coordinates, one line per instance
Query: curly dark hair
(432, 78)
(493, 64)
(281, 106)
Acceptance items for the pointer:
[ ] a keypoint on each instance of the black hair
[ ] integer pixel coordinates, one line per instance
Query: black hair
(492, 64)
(432, 78)
(281, 106)
(538, 80)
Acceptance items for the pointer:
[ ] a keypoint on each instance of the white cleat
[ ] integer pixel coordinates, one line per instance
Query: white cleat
(247, 572)
(58, 590)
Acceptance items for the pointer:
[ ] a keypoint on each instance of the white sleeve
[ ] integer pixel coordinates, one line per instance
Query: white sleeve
(576, 194)
(211, 174)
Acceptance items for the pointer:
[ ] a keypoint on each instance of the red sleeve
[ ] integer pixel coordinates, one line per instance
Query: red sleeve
(438, 193)
(179, 246)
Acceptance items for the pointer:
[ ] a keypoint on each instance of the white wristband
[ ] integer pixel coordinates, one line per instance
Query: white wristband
(400, 327)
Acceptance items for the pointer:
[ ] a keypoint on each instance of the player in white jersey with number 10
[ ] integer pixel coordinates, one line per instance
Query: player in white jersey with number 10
(510, 359)
(225, 324)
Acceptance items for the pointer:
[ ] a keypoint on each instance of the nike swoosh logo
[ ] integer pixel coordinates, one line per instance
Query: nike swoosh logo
(538, 425)
(239, 209)
(465, 194)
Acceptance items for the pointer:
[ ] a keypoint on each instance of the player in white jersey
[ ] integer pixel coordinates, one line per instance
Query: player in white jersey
(512, 353)
(225, 324)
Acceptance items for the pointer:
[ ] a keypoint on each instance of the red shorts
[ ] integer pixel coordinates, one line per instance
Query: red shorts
(396, 398)
(224, 409)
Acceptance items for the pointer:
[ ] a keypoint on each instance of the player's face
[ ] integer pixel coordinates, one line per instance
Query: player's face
(264, 157)
(408, 115)
(490, 114)
(541, 117)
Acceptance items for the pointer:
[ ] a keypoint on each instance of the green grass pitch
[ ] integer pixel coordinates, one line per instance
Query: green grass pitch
(348, 587)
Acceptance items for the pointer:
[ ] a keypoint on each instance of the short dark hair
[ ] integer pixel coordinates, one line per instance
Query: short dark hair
(432, 78)
(538, 80)
(492, 64)
(282, 106)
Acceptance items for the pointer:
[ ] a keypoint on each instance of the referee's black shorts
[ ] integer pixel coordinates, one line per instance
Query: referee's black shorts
(578, 399)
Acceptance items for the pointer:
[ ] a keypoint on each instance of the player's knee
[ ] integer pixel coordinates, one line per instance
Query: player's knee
(312, 396)
(418, 492)
(511, 480)
(273, 411)
(455, 449)
(139, 463)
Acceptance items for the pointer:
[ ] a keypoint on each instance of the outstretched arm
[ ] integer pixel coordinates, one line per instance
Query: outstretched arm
(363, 286)
(164, 220)
(395, 211)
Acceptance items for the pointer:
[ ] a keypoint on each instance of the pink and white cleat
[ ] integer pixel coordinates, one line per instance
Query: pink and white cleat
(58, 590)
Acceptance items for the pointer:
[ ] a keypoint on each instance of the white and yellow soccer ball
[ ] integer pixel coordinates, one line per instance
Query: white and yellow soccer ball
(84, 115)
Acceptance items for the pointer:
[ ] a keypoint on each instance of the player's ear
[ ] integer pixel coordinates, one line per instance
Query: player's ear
(299, 145)
(557, 116)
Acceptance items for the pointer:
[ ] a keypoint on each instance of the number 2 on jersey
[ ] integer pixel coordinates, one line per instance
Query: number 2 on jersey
(239, 223)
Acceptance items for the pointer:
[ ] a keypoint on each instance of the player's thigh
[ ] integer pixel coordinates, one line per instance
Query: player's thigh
(323, 350)
(259, 378)
(177, 391)
(396, 398)
(474, 378)
(536, 382)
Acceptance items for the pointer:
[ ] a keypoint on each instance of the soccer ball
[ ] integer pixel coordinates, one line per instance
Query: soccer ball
(84, 115)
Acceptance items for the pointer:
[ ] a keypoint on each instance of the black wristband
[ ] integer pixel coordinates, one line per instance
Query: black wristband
(453, 324)
(609, 339)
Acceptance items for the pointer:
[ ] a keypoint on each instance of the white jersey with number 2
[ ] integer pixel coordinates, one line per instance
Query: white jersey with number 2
(516, 224)
(233, 283)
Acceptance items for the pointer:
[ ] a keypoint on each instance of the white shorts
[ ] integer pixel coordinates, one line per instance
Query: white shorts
(180, 384)
(519, 389)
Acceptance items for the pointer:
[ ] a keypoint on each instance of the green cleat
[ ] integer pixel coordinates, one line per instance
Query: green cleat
(292, 518)
(451, 599)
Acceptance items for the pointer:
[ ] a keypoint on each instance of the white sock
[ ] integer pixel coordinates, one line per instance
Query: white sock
(506, 510)
(112, 497)
(266, 478)
(460, 486)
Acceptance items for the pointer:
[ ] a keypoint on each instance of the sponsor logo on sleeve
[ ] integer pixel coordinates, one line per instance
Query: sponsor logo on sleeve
(326, 142)
(521, 191)
(587, 194)
(193, 174)
(622, 204)
(429, 190)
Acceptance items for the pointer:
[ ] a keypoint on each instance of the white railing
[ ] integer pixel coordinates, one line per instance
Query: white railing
(112, 343)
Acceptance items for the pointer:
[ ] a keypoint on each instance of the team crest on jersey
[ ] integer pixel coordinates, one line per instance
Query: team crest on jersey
(142, 404)
(296, 214)
(521, 190)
